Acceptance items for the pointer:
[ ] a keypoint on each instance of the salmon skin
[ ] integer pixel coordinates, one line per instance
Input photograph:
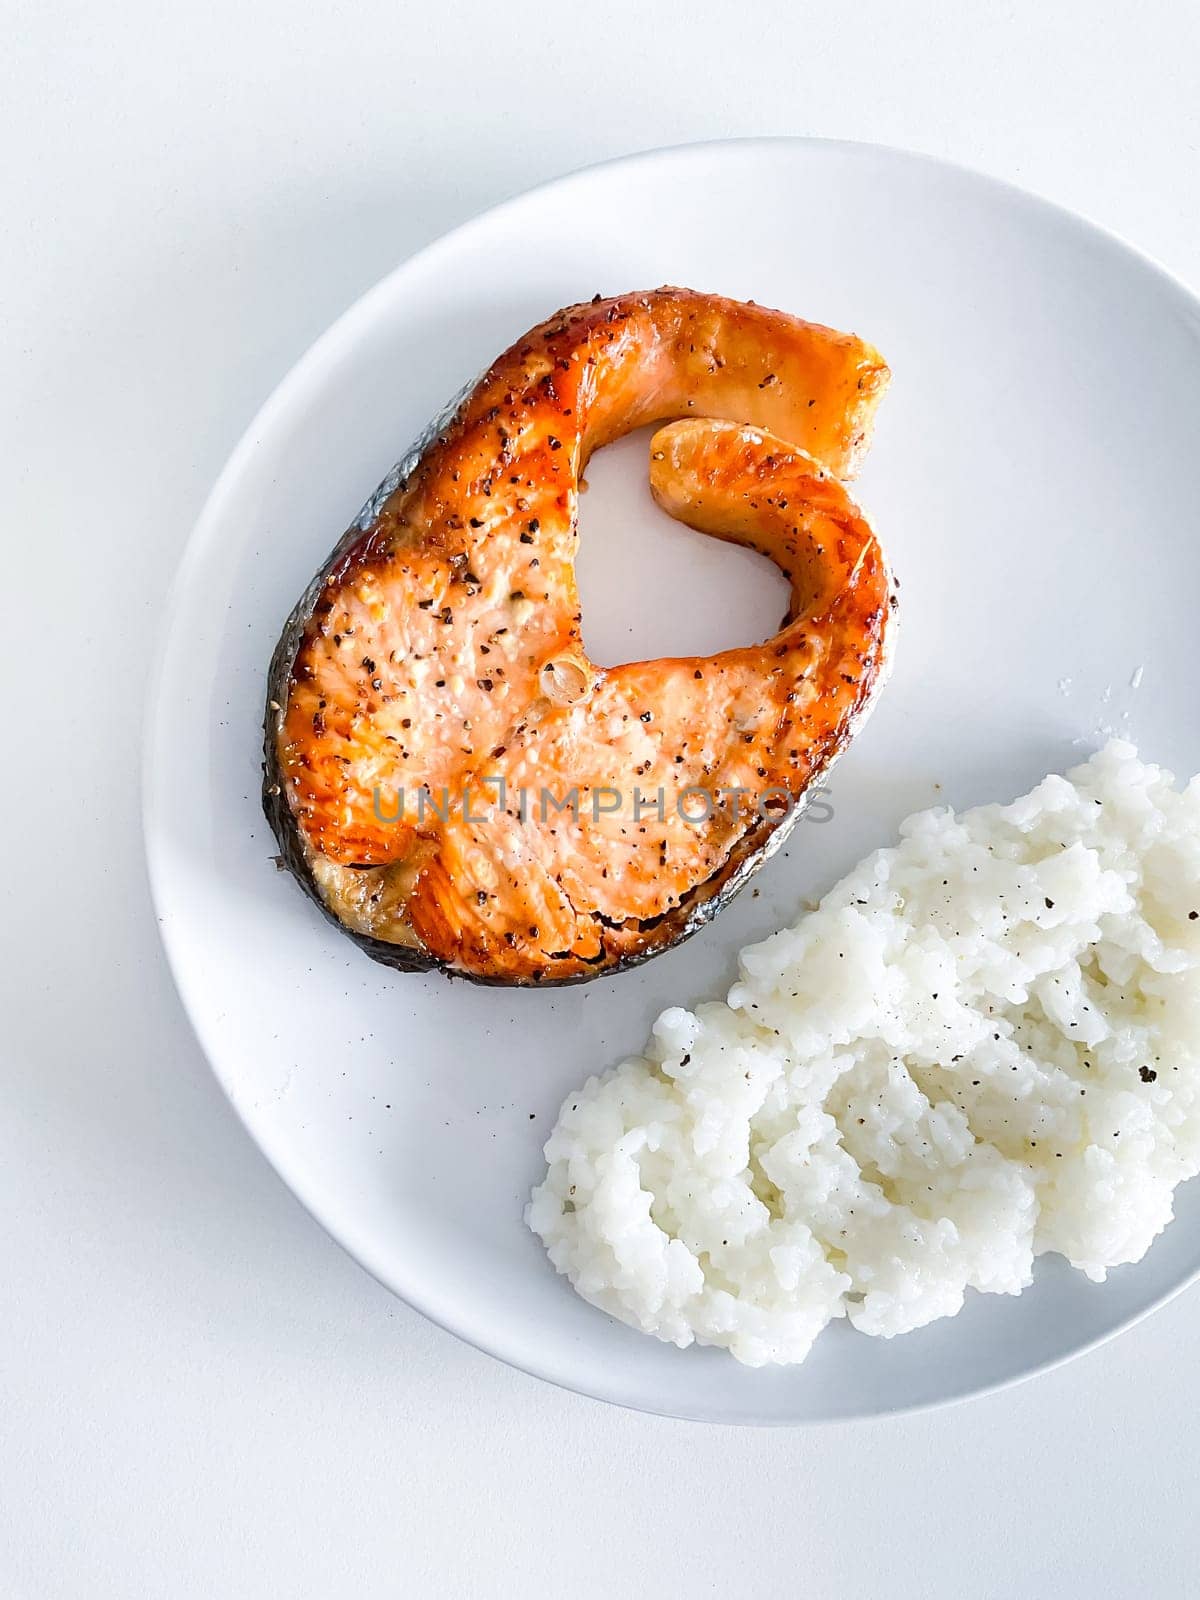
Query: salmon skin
(451, 778)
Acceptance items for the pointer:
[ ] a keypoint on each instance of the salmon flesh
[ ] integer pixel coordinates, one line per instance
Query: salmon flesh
(448, 774)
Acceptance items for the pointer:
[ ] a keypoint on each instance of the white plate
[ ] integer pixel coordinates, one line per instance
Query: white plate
(1036, 480)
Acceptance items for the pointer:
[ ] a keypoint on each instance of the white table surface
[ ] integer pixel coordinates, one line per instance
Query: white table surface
(200, 1395)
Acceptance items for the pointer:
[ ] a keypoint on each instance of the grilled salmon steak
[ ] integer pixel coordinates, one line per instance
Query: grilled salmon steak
(451, 777)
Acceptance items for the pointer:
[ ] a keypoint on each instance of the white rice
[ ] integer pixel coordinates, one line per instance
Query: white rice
(982, 1046)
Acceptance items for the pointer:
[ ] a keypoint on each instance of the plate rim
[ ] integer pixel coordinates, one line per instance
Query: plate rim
(306, 369)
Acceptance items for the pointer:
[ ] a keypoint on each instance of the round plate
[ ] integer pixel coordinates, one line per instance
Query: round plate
(1036, 482)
